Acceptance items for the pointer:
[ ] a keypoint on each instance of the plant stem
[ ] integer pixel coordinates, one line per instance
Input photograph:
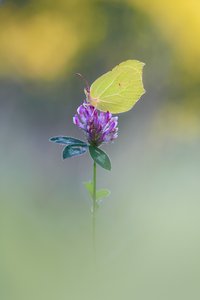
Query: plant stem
(94, 209)
(94, 185)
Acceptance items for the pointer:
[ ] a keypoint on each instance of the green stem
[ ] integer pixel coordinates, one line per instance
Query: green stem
(94, 208)
(94, 185)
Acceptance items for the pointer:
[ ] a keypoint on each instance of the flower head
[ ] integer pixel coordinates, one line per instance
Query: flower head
(99, 127)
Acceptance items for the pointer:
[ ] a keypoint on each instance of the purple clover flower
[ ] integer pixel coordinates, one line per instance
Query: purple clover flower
(99, 127)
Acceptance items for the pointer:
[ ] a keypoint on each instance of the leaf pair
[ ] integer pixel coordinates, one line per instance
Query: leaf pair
(76, 147)
(100, 194)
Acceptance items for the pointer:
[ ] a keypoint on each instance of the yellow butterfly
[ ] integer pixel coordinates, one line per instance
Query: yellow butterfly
(119, 89)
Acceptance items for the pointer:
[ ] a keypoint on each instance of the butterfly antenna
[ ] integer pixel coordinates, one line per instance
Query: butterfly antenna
(85, 81)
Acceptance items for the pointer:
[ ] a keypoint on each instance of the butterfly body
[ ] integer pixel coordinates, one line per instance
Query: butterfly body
(119, 89)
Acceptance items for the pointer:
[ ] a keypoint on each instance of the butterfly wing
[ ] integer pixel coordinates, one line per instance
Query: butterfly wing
(118, 90)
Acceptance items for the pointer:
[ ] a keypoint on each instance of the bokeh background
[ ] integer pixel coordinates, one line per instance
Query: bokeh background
(148, 230)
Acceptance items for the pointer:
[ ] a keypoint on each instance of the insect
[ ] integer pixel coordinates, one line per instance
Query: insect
(119, 89)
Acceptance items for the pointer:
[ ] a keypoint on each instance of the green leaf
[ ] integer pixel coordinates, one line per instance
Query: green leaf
(74, 150)
(100, 157)
(102, 193)
(66, 140)
(89, 187)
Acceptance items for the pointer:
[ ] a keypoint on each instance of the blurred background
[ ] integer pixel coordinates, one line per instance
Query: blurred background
(148, 237)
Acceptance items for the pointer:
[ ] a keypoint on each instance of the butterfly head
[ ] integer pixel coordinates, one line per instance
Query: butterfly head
(89, 99)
